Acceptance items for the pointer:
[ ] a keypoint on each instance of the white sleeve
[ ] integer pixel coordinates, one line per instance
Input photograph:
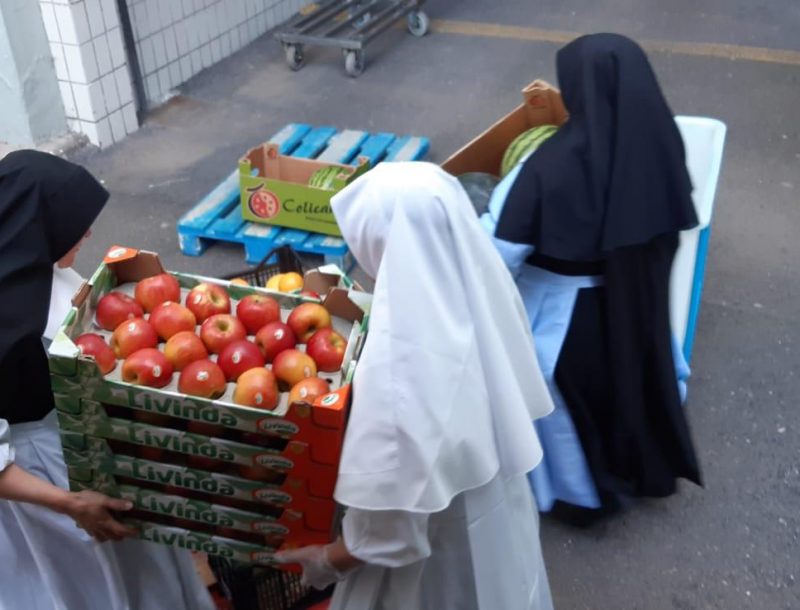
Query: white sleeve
(513, 255)
(388, 538)
(6, 451)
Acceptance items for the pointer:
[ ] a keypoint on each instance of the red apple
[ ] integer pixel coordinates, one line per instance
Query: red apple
(152, 291)
(154, 419)
(133, 335)
(254, 438)
(147, 367)
(308, 390)
(206, 300)
(92, 344)
(327, 348)
(200, 462)
(291, 366)
(199, 427)
(274, 338)
(258, 473)
(202, 378)
(308, 318)
(184, 347)
(310, 294)
(114, 308)
(256, 311)
(170, 318)
(220, 330)
(150, 453)
(238, 357)
(257, 388)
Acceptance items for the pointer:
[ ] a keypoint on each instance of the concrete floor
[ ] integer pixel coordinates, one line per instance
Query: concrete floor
(733, 544)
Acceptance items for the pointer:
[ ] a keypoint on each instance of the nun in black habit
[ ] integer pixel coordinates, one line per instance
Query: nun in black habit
(47, 205)
(589, 225)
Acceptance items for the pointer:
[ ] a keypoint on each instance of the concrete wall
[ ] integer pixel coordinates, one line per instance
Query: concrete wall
(32, 111)
(176, 39)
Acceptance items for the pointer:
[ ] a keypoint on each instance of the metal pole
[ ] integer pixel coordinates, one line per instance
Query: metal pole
(133, 59)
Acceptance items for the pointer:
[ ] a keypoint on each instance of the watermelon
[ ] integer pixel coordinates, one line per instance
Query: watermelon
(524, 144)
(323, 178)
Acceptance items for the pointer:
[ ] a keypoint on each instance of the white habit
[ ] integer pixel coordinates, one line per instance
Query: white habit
(440, 437)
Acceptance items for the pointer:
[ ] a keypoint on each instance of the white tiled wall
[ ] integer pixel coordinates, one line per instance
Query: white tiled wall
(91, 66)
(175, 39)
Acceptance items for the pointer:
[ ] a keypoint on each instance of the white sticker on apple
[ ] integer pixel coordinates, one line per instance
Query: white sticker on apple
(202, 376)
(157, 371)
(279, 333)
(259, 398)
(237, 357)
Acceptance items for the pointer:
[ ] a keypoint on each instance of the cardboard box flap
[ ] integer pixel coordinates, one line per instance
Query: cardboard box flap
(80, 295)
(542, 105)
(269, 163)
(338, 303)
(320, 282)
(144, 264)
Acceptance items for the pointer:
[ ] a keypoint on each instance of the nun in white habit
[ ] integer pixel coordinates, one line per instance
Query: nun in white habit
(433, 471)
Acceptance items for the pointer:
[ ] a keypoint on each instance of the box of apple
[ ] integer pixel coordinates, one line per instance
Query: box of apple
(218, 355)
(221, 407)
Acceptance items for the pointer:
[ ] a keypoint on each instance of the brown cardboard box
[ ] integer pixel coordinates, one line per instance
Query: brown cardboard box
(542, 105)
(275, 190)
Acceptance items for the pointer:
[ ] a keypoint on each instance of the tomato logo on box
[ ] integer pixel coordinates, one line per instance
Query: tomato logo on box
(264, 204)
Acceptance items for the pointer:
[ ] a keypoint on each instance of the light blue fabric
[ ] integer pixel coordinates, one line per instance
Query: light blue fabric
(549, 298)
(6, 452)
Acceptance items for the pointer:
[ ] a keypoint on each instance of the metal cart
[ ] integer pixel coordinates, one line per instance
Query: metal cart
(349, 25)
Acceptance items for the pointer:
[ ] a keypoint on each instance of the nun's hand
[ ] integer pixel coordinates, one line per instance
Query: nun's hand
(92, 512)
(322, 565)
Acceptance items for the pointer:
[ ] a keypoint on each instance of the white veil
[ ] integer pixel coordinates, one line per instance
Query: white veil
(448, 383)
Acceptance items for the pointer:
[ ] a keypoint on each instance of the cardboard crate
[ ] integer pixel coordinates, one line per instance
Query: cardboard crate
(245, 471)
(275, 190)
(92, 458)
(294, 457)
(286, 526)
(321, 424)
(541, 105)
(227, 548)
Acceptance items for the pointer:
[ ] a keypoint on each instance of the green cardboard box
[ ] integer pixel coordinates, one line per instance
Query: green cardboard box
(275, 190)
(91, 459)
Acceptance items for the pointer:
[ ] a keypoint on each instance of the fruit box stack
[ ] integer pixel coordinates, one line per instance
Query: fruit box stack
(542, 105)
(292, 192)
(206, 475)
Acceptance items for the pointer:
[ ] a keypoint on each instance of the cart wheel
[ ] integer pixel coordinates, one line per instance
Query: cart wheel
(354, 63)
(294, 56)
(418, 23)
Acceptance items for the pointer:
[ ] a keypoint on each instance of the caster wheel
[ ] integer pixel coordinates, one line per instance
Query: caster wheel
(294, 56)
(418, 23)
(354, 63)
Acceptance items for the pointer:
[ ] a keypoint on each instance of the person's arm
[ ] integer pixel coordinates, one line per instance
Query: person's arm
(389, 538)
(90, 510)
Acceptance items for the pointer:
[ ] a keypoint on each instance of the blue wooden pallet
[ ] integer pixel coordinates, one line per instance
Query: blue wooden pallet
(218, 216)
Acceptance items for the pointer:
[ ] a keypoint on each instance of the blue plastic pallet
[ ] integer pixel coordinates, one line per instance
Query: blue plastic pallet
(218, 216)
